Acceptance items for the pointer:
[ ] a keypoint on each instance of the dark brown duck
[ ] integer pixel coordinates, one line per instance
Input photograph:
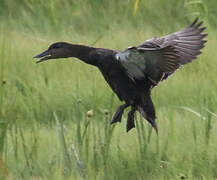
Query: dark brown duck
(132, 73)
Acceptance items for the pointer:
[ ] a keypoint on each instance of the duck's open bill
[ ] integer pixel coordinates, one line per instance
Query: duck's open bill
(44, 56)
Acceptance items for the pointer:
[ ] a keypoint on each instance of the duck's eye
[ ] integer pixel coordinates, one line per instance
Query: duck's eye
(57, 46)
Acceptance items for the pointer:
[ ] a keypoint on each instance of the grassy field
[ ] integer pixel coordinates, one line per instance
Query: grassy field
(54, 116)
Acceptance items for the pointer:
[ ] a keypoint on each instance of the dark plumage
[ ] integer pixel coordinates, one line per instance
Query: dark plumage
(132, 73)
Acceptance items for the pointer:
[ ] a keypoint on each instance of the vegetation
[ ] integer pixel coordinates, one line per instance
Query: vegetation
(54, 116)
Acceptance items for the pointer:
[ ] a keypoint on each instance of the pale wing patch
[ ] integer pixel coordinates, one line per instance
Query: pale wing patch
(133, 62)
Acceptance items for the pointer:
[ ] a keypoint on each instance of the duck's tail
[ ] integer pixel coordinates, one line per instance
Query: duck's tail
(146, 108)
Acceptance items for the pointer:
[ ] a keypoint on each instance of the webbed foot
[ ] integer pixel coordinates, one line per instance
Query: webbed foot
(130, 119)
(118, 115)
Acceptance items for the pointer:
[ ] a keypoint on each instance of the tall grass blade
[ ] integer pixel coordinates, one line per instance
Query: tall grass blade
(66, 157)
(193, 112)
(79, 164)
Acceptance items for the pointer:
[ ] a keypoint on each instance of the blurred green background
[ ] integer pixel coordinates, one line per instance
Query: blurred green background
(54, 116)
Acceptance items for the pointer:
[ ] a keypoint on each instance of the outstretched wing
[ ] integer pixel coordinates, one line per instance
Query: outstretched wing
(158, 58)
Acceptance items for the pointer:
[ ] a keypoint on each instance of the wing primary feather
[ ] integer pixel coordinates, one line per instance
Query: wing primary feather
(189, 46)
(194, 22)
(191, 33)
(193, 38)
(191, 42)
(198, 25)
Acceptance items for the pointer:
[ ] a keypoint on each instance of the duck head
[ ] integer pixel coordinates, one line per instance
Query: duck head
(55, 51)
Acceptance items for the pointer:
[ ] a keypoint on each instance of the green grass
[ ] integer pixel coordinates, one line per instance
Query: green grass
(45, 132)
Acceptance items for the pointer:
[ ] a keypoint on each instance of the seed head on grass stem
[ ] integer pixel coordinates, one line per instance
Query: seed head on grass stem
(89, 113)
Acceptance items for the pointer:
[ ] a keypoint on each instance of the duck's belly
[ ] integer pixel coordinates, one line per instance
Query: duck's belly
(125, 88)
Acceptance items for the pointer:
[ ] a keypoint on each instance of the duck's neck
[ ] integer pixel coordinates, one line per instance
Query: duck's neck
(81, 52)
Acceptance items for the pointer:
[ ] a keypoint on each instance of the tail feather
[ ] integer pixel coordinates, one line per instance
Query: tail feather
(146, 108)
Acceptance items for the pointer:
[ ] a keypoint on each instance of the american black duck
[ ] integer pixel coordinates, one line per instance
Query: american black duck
(132, 73)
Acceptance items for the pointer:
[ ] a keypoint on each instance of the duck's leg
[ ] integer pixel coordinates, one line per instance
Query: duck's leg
(130, 119)
(149, 117)
(146, 108)
(118, 115)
